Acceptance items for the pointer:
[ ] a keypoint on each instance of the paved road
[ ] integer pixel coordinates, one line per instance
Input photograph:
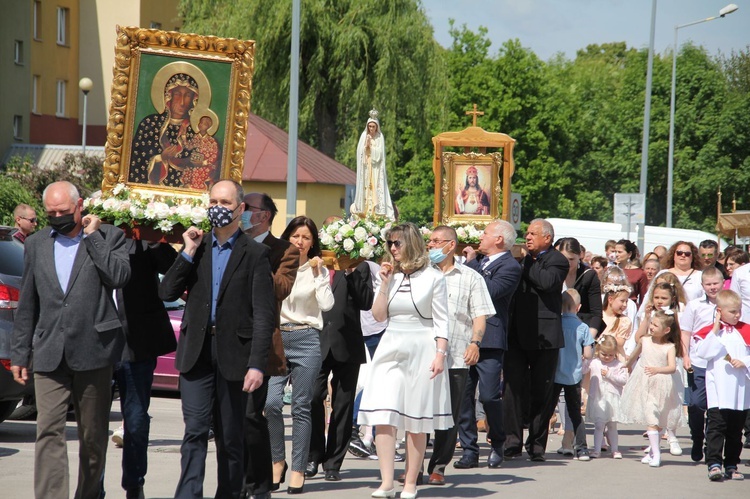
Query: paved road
(558, 477)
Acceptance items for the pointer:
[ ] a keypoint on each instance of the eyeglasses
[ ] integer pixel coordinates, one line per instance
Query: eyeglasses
(250, 207)
(683, 253)
(396, 243)
(32, 220)
(439, 241)
(707, 255)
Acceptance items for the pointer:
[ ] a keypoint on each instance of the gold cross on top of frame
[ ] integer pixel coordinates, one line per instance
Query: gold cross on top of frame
(475, 113)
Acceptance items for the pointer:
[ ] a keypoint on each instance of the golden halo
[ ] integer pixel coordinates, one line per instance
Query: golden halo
(204, 92)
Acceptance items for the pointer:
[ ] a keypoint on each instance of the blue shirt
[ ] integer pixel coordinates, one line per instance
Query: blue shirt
(577, 336)
(219, 258)
(65, 250)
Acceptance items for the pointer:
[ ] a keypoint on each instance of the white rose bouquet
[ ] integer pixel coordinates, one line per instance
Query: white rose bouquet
(355, 237)
(121, 206)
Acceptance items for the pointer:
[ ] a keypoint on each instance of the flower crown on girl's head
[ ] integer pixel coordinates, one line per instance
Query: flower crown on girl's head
(616, 288)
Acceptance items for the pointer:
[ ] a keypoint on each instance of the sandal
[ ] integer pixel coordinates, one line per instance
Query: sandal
(733, 474)
(715, 474)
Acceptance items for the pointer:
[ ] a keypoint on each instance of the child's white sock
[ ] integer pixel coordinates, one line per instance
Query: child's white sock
(653, 438)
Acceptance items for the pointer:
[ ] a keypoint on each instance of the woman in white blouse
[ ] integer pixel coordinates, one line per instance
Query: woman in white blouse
(301, 322)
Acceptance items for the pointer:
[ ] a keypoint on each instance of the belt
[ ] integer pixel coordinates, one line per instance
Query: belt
(294, 327)
(212, 330)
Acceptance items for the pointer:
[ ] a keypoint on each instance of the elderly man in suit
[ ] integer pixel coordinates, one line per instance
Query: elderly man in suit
(260, 211)
(534, 341)
(343, 351)
(68, 321)
(223, 348)
(501, 274)
(149, 334)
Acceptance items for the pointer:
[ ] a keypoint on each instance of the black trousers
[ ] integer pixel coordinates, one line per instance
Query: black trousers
(258, 465)
(573, 406)
(444, 444)
(724, 433)
(344, 388)
(529, 375)
(206, 396)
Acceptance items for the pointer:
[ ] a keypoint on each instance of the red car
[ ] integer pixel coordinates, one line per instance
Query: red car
(166, 377)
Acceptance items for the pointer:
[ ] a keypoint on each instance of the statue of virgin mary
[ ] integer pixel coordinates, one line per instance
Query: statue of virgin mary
(372, 197)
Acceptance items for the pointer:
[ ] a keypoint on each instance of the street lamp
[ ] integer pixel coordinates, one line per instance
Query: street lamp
(85, 84)
(670, 158)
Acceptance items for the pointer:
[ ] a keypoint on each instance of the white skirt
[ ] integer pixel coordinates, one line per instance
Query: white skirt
(399, 391)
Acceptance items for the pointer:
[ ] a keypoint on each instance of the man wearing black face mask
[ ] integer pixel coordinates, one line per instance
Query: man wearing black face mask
(67, 319)
(222, 352)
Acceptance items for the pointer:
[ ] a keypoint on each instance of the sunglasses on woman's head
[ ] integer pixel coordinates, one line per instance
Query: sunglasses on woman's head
(395, 242)
(683, 253)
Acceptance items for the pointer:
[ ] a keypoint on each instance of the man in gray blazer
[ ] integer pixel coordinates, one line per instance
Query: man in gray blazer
(68, 321)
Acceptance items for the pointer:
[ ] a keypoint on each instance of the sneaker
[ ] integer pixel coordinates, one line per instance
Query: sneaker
(696, 452)
(358, 448)
(565, 452)
(617, 455)
(595, 455)
(583, 455)
(655, 462)
(117, 437)
(399, 458)
(674, 448)
(646, 459)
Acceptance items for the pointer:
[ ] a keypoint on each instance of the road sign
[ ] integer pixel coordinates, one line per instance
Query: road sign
(630, 210)
(515, 210)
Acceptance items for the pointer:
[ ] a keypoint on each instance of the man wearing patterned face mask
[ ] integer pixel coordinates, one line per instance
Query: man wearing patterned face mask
(222, 353)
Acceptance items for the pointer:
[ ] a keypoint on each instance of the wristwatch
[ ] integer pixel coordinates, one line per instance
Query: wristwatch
(477, 343)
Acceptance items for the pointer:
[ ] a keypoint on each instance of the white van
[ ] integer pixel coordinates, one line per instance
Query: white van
(594, 235)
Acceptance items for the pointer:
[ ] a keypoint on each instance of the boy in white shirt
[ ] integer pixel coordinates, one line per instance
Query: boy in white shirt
(698, 314)
(725, 347)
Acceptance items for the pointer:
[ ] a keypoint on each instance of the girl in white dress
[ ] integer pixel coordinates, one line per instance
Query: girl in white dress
(653, 394)
(407, 388)
(608, 376)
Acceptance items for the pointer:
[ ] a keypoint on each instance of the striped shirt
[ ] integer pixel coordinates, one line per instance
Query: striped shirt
(468, 298)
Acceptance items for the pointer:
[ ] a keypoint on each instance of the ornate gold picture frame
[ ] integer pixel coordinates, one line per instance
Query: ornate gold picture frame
(471, 190)
(179, 111)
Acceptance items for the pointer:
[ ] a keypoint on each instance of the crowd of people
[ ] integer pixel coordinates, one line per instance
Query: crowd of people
(454, 342)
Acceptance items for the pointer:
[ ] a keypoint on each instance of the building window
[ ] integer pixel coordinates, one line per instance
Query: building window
(35, 94)
(63, 16)
(37, 20)
(155, 25)
(18, 52)
(60, 111)
(17, 127)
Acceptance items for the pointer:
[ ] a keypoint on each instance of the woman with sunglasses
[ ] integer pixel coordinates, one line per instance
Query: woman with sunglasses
(407, 388)
(682, 260)
(301, 323)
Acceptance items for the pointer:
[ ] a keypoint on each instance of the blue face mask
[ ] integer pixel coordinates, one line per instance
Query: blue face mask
(437, 255)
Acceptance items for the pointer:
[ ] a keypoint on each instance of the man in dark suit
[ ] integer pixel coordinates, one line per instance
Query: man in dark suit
(533, 343)
(149, 334)
(67, 319)
(260, 211)
(223, 348)
(501, 274)
(343, 351)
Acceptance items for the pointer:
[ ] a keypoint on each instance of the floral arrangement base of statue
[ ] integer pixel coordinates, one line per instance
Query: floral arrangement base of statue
(348, 241)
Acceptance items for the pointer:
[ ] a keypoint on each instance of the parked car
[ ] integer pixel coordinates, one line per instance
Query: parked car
(166, 376)
(11, 269)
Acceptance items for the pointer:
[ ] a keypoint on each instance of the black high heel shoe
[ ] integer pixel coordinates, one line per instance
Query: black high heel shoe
(295, 490)
(277, 485)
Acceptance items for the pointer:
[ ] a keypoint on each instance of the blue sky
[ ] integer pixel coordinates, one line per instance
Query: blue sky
(551, 26)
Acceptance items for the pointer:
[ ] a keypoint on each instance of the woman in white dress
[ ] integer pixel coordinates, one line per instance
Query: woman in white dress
(407, 388)
(372, 197)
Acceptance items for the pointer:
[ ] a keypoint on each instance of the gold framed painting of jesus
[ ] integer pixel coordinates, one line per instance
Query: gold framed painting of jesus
(471, 187)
